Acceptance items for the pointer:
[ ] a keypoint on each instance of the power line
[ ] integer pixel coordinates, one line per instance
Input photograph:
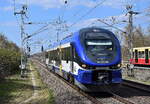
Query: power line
(88, 12)
(77, 12)
(110, 25)
(39, 31)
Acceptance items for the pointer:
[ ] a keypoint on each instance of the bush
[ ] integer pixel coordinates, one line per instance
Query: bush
(9, 62)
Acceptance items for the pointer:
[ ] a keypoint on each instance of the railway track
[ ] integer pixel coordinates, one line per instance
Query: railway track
(93, 99)
(136, 67)
(136, 85)
(121, 99)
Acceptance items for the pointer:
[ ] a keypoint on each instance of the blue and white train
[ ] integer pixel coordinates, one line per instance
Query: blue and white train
(90, 58)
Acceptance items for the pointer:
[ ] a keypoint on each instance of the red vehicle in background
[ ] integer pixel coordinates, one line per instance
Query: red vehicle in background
(141, 56)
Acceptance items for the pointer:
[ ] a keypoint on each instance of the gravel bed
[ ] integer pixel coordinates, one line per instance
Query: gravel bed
(110, 101)
(134, 95)
(106, 98)
(63, 93)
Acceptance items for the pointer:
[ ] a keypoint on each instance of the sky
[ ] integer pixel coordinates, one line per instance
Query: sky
(75, 14)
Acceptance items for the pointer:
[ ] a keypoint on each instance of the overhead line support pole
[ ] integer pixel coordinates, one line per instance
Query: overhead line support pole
(23, 52)
(130, 33)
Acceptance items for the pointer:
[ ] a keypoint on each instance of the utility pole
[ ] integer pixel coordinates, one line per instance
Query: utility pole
(130, 32)
(58, 22)
(22, 13)
(60, 26)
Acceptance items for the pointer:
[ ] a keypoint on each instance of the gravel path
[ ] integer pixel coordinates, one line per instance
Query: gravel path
(35, 92)
(63, 93)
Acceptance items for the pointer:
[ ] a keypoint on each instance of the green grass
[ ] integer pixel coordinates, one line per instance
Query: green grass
(45, 95)
(14, 89)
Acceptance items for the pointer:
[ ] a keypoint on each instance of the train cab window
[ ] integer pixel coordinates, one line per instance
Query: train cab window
(99, 45)
(149, 54)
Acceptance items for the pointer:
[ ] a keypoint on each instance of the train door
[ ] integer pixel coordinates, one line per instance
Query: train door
(146, 56)
(136, 56)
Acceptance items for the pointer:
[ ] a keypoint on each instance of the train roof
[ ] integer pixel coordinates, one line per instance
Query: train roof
(66, 40)
(141, 48)
(69, 38)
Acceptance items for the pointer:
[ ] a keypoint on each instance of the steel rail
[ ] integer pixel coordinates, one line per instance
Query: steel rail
(136, 85)
(121, 99)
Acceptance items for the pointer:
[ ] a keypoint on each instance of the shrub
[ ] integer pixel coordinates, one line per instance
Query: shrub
(9, 62)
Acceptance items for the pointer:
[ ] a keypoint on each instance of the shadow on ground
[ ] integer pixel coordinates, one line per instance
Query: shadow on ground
(10, 89)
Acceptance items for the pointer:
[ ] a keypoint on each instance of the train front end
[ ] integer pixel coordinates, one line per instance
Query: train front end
(99, 53)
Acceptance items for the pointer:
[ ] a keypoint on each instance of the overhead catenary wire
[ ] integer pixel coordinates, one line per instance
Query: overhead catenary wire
(37, 32)
(110, 25)
(88, 12)
(77, 12)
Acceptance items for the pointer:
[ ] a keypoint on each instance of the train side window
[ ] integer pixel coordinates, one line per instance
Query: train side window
(46, 55)
(139, 54)
(56, 55)
(142, 54)
(149, 54)
(67, 54)
(51, 55)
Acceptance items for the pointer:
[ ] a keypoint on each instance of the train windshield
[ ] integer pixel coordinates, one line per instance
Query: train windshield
(99, 47)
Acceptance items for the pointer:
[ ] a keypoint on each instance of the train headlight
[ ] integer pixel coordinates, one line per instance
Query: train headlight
(83, 65)
(119, 65)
